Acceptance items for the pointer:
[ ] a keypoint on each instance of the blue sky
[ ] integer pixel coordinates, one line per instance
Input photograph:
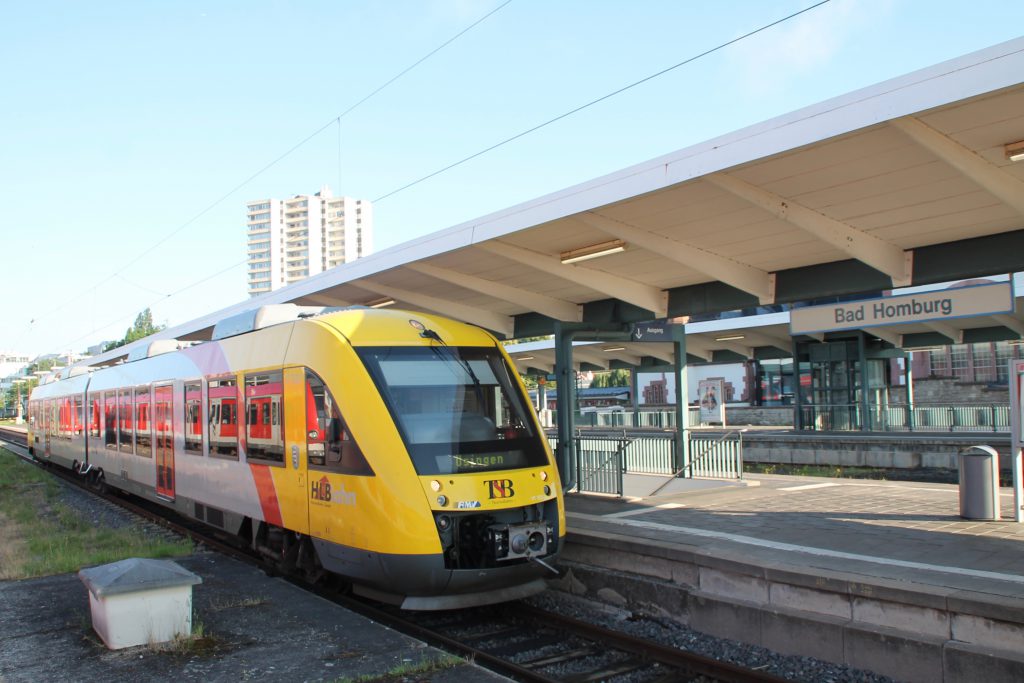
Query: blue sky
(123, 121)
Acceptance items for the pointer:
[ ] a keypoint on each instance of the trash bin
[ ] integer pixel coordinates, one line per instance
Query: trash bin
(979, 482)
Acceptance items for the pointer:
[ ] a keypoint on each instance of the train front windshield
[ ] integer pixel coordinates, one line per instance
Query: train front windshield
(457, 408)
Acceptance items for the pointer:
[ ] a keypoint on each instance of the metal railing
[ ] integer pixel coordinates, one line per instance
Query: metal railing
(602, 462)
(640, 419)
(919, 417)
(716, 457)
(892, 417)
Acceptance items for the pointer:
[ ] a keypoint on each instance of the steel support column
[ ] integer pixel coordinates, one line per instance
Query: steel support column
(798, 413)
(908, 380)
(682, 443)
(565, 400)
(862, 370)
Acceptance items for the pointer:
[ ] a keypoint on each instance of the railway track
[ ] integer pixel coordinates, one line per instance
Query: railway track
(515, 639)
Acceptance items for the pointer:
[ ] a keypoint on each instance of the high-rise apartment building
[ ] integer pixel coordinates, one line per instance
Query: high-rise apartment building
(291, 239)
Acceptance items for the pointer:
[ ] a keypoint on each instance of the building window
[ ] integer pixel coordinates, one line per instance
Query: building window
(984, 362)
(959, 362)
(939, 361)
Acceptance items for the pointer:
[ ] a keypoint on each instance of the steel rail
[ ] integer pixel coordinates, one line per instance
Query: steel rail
(643, 652)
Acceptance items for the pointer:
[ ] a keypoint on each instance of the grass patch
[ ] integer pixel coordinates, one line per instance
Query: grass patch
(199, 643)
(409, 671)
(43, 536)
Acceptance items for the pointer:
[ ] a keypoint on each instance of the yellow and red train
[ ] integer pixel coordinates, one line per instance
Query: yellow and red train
(398, 450)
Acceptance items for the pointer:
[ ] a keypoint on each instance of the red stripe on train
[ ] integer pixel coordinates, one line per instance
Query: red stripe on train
(268, 495)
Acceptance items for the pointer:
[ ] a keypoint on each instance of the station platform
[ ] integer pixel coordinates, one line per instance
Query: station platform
(254, 628)
(879, 575)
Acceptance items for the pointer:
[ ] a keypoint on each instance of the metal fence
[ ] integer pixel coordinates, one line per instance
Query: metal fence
(656, 419)
(892, 417)
(922, 417)
(716, 456)
(602, 462)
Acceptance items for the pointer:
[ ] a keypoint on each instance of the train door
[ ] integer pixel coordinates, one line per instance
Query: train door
(333, 457)
(163, 438)
(289, 415)
(47, 427)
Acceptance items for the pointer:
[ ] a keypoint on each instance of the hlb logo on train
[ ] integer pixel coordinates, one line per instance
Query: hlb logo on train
(499, 488)
(321, 490)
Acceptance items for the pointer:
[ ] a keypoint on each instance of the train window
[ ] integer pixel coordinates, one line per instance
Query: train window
(95, 415)
(110, 419)
(264, 438)
(125, 431)
(194, 417)
(79, 418)
(458, 409)
(222, 399)
(62, 418)
(143, 423)
(329, 444)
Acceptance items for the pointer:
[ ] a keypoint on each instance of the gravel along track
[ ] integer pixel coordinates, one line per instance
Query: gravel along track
(102, 513)
(665, 632)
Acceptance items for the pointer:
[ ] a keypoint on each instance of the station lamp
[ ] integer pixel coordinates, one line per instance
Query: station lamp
(592, 251)
(1015, 151)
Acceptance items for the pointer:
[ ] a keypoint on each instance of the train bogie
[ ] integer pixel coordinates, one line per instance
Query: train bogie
(395, 449)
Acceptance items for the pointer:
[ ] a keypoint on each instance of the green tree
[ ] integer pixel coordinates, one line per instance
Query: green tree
(143, 327)
(612, 378)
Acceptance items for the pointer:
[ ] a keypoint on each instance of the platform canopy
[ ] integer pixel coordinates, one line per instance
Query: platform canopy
(907, 182)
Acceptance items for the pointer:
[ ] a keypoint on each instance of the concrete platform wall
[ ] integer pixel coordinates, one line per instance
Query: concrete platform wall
(911, 632)
(860, 451)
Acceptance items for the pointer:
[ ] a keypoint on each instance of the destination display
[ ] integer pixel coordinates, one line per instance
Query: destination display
(943, 304)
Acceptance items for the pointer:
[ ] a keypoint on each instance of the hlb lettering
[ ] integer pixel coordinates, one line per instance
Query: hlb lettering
(321, 490)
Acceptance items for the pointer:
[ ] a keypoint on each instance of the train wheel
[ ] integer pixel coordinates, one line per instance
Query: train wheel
(98, 482)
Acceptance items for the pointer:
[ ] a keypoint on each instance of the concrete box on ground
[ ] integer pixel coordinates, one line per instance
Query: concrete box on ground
(139, 601)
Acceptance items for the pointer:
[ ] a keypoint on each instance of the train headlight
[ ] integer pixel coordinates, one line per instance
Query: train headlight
(444, 522)
(547, 490)
(442, 500)
(543, 476)
(435, 485)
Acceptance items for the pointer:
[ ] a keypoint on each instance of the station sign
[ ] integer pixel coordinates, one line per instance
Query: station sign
(942, 304)
(652, 332)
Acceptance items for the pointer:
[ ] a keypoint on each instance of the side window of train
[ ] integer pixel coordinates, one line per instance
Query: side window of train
(110, 419)
(95, 402)
(143, 423)
(222, 418)
(264, 437)
(126, 431)
(79, 416)
(194, 417)
(329, 445)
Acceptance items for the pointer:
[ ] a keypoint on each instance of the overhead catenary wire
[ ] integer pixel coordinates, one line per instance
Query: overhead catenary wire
(599, 100)
(162, 298)
(335, 120)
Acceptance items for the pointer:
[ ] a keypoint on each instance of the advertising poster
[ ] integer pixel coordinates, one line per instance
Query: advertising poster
(711, 393)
